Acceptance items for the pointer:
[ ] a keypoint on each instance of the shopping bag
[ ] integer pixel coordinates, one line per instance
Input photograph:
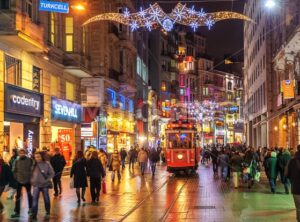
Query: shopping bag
(103, 187)
(72, 183)
(257, 176)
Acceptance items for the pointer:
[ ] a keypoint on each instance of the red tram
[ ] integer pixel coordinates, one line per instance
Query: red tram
(182, 153)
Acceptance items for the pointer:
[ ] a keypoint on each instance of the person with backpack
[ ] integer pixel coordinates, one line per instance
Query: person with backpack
(293, 174)
(154, 158)
(58, 163)
(42, 175)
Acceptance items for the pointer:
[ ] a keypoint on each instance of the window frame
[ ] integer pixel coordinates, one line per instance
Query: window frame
(17, 75)
(69, 36)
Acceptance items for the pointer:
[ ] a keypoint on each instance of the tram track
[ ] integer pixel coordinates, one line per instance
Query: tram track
(167, 211)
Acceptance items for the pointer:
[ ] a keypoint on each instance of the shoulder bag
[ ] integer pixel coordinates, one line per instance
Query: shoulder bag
(49, 182)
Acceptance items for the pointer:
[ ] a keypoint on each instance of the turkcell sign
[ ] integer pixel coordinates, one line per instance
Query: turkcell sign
(65, 110)
(49, 6)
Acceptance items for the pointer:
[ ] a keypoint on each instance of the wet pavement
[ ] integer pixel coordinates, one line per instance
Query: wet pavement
(167, 198)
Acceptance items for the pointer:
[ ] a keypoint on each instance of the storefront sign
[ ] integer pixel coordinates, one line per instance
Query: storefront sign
(288, 89)
(65, 139)
(22, 101)
(31, 137)
(50, 6)
(65, 110)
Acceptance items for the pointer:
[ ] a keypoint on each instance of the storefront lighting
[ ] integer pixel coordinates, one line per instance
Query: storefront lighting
(142, 139)
(294, 124)
(284, 126)
(5, 123)
(275, 128)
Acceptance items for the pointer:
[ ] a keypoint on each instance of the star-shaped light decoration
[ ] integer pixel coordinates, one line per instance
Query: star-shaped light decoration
(202, 13)
(134, 25)
(192, 10)
(209, 23)
(148, 25)
(126, 13)
(194, 25)
(154, 13)
(142, 13)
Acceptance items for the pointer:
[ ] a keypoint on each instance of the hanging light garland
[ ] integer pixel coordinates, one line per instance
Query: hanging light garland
(154, 15)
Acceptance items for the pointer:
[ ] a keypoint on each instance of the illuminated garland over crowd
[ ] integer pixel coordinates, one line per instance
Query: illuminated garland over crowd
(154, 15)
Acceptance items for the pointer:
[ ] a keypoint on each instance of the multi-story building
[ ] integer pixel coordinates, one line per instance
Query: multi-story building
(257, 73)
(284, 115)
(41, 66)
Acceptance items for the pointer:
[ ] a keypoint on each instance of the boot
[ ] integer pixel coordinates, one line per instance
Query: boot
(82, 195)
(78, 195)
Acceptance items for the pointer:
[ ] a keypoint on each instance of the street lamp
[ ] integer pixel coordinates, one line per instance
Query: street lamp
(78, 7)
(270, 4)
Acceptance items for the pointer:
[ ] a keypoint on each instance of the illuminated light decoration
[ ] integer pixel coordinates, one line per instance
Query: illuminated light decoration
(194, 26)
(154, 15)
(167, 25)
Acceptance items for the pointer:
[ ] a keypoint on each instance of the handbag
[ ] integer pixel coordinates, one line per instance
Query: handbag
(49, 182)
(103, 187)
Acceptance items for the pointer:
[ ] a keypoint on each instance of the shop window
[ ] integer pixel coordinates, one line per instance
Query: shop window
(69, 31)
(52, 28)
(54, 85)
(4, 4)
(13, 70)
(163, 86)
(70, 91)
(36, 79)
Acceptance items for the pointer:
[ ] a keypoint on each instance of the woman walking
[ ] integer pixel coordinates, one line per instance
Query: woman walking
(115, 164)
(103, 158)
(6, 177)
(78, 170)
(41, 182)
(95, 172)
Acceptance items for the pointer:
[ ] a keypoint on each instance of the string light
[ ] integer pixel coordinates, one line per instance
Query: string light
(154, 15)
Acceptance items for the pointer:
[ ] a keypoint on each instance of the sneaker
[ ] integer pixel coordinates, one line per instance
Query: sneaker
(15, 215)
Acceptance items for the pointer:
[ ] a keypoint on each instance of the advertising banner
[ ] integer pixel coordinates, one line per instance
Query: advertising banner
(288, 89)
(65, 110)
(22, 101)
(65, 138)
(31, 137)
(50, 6)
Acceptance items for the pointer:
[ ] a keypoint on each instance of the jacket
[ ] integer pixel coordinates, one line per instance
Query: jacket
(132, 154)
(236, 163)
(78, 170)
(283, 160)
(143, 156)
(154, 156)
(293, 172)
(6, 176)
(115, 161)
(271, 165)
(103, 159)
(58, 163)
(22, 170)
(95, 168)
(42, 174)
(214, 155)
(12, 161)
(223, 160)
(123, 154)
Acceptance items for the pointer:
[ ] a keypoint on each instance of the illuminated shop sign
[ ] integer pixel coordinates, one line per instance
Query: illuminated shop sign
(31, 136)
(115, 98)
(50, 6)
(65, 110)
(22, 101)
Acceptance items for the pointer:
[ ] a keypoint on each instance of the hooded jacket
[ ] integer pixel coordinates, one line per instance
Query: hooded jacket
(272, 166)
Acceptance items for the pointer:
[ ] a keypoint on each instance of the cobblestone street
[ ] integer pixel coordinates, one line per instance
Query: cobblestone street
(169, 198)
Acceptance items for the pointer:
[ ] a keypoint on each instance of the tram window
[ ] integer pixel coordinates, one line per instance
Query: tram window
(180, 141)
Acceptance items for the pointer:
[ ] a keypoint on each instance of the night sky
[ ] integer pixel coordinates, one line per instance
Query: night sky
(226, 37)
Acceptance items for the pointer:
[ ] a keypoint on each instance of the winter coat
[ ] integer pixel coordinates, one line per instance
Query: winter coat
(78, 170)
(12, 161)
(42, 174)
(58, 163)
(22, 170)
(283, 160)
(143, 156)
(293, 173)
(236, 163)
(103, 159)
(115, 161)
(271, 165)
(223, 160)
(214, 155)
(95, 168)
(154, 156)
(6, 176)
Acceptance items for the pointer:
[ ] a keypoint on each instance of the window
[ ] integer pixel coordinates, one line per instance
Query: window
(54, 85)
(70, 91)
(205, 91)
(229, 86)
(69, 31)
(13, 70)
(29, 8)
(52, 28)
(139, 66)
(4, 4)
(36, 79)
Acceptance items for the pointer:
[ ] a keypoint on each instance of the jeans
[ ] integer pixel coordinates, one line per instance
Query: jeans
(123, 164)
(57, 183)
(143, 167)
(297, 205)
(95, 187)
(215, 167)
(224, 172)
(272, 182)
(131, 163)
(153, 167)
(285, 181)
(1, 191)
(35, 203)
(19, 194)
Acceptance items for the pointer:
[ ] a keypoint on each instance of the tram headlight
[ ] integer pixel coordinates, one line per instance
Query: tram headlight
(180, 156)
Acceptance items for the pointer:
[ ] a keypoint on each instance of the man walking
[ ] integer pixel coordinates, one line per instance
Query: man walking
(132, 156)
(143, 158)
(58, 163)
(293, 173)
(123, 154)
(154, 158)
(22, 171)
